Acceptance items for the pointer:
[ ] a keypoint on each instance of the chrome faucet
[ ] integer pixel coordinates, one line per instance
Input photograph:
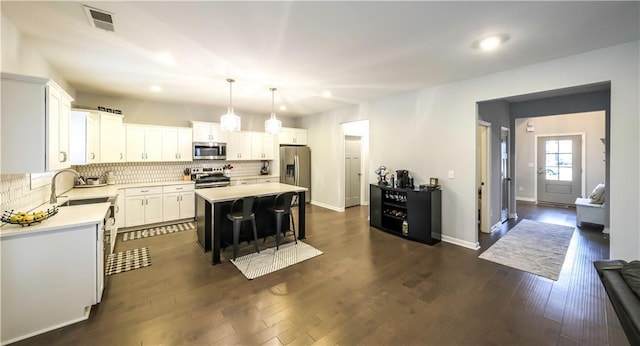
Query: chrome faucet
(54, 198)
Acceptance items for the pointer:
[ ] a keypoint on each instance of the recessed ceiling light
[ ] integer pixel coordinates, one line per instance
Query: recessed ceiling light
(165, 58)
(492, 42)
(155, 88)
(326, 94)
(283, 108)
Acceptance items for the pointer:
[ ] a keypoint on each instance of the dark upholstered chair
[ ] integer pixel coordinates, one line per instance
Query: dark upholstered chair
(243, 209)
(281, 208)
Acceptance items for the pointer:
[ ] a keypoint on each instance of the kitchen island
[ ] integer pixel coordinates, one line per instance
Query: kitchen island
(213, 204)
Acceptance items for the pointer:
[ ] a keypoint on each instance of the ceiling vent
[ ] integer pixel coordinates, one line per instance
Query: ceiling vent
(99, 19)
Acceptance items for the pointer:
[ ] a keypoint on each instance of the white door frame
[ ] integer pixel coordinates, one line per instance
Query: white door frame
(364, 162)
(535, 156)
(510, 188)
(485, 216)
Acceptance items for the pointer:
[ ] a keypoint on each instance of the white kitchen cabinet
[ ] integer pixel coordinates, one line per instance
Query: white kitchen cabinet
(208, 132)
(267, 180)
(143, 206)
(144, 143)
(35, 125)
(261, 146)
(177, 144)
(239, 146)
(112, 138)
(293, 136)
(84, 138)
(179, 202)
(48, 279)
(237, 182)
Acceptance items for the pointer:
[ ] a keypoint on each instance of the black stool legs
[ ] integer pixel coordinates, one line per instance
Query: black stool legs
(237, 224)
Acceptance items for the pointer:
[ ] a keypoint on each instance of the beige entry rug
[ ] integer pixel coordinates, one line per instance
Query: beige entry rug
(154, 231)
(269, 260)
(532, 246)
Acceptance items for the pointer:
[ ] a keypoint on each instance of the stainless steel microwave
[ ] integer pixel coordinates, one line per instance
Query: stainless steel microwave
(209, 151)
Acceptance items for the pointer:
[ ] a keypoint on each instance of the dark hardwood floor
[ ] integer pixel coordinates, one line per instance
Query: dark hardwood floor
(368, 288)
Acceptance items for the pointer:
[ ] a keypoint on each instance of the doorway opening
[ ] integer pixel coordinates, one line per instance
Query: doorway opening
(560, 170)
(505, 176)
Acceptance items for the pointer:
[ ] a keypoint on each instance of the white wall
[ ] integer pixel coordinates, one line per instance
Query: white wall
(432, 131)
(19, 57)
(326, 140)
(137, 111)
(591, 124)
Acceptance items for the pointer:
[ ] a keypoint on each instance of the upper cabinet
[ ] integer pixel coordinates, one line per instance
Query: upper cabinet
(262, 146)
(293, 136)
(176, 144)
(84, 139)
(239, 146)
(35, 125)
(208, 132)
(112, 138)
(144, 143)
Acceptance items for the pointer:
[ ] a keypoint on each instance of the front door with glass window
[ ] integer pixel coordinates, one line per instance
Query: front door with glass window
(559, 169)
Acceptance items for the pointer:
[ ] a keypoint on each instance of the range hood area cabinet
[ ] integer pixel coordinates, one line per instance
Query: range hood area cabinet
(208, 132)
(35, 125)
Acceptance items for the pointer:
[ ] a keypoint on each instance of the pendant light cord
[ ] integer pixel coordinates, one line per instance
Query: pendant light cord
(230, 92)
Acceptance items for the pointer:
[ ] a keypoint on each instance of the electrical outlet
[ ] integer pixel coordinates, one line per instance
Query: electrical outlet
(451, 175)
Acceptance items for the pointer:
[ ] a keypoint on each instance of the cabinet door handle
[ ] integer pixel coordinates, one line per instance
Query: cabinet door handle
(142, 202)
(120, 156)
(178, 188)
(144, 190)
(117, 209)
(142, 156)
(64, 155)
(93, 156)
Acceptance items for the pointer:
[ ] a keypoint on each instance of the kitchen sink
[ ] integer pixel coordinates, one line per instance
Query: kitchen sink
(85, 201)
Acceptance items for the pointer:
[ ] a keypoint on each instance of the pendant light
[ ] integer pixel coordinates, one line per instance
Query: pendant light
(230, 122)
(273, 125)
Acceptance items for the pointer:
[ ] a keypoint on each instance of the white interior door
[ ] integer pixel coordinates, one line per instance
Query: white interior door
(352, 173)
(484, 176)
(559, 169)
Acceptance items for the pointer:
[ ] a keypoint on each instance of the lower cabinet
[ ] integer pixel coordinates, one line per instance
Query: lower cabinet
(412, 214)
(148, 205)
(179, 202)
(143, 206)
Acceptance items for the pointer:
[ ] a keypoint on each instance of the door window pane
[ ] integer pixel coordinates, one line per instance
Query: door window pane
(559, 160)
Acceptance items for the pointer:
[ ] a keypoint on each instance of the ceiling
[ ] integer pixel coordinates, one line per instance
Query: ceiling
(357, 50)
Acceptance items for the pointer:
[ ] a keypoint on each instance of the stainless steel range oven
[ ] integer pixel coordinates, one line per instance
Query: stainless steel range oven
(208, 177)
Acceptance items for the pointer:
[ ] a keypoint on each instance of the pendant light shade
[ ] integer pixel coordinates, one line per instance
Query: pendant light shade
(272, 125)
(230, 122)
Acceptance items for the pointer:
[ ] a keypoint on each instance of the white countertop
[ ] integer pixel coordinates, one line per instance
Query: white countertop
(72, 216)
(229, 193)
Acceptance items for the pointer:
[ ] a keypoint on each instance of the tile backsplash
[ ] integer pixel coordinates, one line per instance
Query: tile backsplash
(16, 192)
(139, 172)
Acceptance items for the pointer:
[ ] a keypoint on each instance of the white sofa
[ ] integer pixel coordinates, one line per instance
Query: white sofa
(589, 212)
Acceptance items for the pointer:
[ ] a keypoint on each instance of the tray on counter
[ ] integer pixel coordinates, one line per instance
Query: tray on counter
(27, 219)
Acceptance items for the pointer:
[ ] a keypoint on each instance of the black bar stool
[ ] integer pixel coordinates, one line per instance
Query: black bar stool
(282, 207)
(243, 209)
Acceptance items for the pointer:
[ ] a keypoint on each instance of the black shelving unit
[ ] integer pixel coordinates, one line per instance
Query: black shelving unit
(412, 214)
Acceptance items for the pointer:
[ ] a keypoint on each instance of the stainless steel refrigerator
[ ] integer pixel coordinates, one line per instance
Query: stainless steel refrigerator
(295, 167)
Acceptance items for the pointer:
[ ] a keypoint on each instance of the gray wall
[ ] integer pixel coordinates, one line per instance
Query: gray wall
(497, 113)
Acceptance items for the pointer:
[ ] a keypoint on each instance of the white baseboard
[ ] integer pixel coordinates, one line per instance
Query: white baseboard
(328, 206)
(605, 230)
(496, 227)
(513, 216)
(526, 199)
(365, 203)
(460, 242)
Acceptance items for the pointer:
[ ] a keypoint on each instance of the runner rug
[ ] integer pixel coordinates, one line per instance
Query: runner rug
(531, 246)
(120, 262)
(151, 232)
(269, 260)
